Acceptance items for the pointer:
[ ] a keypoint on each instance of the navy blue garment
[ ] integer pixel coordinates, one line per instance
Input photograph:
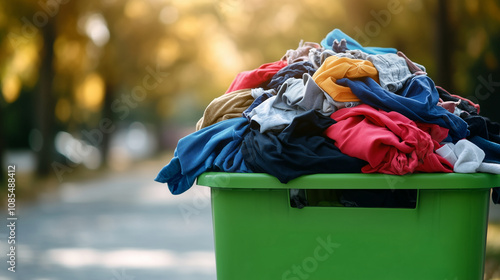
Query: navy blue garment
(483, 127)
(417, 101)
(299, 149)
(213, 148)
(495, 195)
(491, 149)
(294, 70)
(352, 44)
(494, 138)
(464, 105)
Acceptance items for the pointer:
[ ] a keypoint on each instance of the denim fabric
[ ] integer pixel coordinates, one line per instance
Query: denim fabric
(213, 148)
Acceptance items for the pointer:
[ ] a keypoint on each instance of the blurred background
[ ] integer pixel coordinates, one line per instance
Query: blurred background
(97, 93)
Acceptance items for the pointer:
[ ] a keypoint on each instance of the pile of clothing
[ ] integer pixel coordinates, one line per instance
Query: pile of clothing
(336, 107)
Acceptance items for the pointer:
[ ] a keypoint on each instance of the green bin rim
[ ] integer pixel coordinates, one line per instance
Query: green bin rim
(440, 181)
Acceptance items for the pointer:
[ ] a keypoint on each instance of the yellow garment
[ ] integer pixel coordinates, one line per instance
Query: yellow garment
(227, 106)
(334, 68)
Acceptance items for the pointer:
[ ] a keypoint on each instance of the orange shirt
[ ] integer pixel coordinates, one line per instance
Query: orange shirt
(334, 68)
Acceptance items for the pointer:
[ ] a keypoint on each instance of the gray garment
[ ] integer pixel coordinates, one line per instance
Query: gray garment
(353, 54)
(392, 69)
(295, 96)
(315, 57)
(350, 104)
(415, 68)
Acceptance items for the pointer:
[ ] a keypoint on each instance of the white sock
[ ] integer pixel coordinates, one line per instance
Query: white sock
(469, 157)
(447, 151)
(487, 167)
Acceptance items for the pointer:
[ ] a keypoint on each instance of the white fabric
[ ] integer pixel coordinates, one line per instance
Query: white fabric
(467, 157)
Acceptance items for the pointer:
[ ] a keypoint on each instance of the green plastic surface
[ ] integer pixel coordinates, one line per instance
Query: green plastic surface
(259, 236)
(352, 181)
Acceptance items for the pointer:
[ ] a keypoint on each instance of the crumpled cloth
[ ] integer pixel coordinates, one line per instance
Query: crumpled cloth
(390, 142)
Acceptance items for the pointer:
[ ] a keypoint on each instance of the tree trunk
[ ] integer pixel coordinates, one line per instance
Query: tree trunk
(108, 115)
(444, 45)
(45, 101)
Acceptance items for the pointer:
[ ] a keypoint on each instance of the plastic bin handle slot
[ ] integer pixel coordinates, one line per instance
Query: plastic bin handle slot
(366, 198)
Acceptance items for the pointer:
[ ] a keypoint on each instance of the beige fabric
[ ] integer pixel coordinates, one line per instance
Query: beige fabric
(227, 106)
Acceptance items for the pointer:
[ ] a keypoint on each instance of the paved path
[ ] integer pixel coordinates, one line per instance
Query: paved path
(120, 227)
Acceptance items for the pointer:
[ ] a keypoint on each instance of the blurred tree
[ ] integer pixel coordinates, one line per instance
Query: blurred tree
(444, 43)
(478, 53)
(45, 101)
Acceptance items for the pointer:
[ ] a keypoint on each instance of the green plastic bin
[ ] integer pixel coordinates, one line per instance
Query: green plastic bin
(258, 235)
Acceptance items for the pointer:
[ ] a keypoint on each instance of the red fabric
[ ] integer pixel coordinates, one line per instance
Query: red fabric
(390, 142)
(257, 77)
(436, 132)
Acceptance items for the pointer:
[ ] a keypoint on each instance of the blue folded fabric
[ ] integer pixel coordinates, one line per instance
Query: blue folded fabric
(213, 148)
(490, 148)
(417, 101)
(352, 44)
